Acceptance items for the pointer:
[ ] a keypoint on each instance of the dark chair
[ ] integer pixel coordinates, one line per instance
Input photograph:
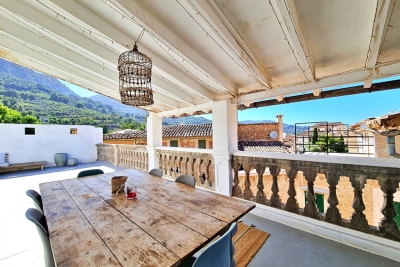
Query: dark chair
(186, 179)
(90, 172)
(218, 254)
(37, 199)
(157, 172)
(40, 222)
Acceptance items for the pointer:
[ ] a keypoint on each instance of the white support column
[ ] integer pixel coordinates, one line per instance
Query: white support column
(154, 138)
(225, 141)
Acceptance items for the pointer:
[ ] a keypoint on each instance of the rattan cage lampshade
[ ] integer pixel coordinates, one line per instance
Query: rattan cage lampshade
(135, 78)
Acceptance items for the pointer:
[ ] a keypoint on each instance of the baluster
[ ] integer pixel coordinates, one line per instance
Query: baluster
(187, 166)
(201, 171)
(135, 156)
(332, 213)
(183, 165)
(358, 219)
(236, 190)
(208, 178)
(387, 225)
(178, 169)
(192, 169)
(292, 205)
(142, 158)
(146, 164)
(275, 200)
(175, 166)
(165, 164)
(160, 162)
(170, 166)
(311, 209)
(197, 170)
(247, 193)
(260, 196)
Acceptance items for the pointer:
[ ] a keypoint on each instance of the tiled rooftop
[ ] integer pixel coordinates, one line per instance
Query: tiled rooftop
(179, 130)
(263, 146)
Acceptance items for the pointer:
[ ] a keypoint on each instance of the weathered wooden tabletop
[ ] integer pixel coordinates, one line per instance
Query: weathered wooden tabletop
(167, 222)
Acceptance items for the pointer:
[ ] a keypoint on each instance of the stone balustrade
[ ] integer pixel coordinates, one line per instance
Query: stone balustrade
(172, 162)
(291, 185)
(198, 164)
(129, 156)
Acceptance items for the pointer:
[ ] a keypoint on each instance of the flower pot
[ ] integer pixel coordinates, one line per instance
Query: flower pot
(60, 159)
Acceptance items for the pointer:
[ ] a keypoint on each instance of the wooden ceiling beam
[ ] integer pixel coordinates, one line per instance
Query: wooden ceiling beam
(287, 15)
(380, 71)
(217, 26)
(383, 14)
(174, 42)
(100, 26)
(376, 87)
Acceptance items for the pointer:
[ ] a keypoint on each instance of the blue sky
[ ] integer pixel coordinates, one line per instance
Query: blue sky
(346, 109)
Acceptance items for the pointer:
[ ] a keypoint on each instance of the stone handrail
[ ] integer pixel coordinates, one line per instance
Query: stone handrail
(277, 182)
(130, 156)
(196, 162)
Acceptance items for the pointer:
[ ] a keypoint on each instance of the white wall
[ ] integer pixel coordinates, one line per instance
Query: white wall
(48, 140)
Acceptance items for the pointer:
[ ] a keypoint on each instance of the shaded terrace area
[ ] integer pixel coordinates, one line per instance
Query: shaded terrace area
(286, 246)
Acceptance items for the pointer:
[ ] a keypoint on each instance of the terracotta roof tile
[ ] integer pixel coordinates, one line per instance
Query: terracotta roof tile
(181, 130)
(263, 146)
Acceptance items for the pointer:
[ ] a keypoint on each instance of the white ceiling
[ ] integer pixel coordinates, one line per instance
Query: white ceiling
(206, 50)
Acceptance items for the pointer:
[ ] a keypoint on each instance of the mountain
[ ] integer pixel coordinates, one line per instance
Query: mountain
(118, 105)
(12, 70)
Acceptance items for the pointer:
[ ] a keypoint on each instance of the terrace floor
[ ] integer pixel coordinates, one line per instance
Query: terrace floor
(20, 244)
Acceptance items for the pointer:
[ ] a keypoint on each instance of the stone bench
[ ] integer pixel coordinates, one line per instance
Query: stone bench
(22, 166)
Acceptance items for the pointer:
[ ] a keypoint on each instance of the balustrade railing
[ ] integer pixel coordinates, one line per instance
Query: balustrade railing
(291, 185)
(198, 164)
(130, 156)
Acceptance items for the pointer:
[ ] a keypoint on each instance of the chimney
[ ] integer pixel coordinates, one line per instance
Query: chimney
(280, 127)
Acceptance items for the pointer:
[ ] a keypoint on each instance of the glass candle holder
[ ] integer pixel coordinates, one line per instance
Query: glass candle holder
(131, 192)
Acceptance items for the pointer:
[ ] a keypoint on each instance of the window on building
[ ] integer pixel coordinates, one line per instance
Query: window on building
(29, 131)
(173, 143)
(202, 144)
(319, 200)
(397, 209)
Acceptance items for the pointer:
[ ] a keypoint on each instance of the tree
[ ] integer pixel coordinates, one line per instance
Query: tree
(105, 128)
(8, 115)
(314, 138)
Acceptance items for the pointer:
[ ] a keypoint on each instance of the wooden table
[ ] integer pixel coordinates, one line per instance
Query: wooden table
(167, 222)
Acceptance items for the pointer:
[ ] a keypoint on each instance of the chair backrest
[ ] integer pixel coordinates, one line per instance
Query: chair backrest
(90, 172)
(41, 225)
(157, 172)
(186, 179)
(220, 252)
(36, 197)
